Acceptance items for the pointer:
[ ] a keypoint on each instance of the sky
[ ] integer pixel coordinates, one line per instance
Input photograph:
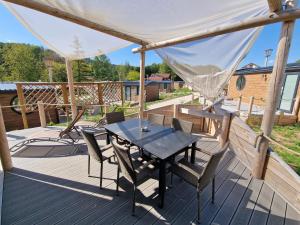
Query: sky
(11, 30)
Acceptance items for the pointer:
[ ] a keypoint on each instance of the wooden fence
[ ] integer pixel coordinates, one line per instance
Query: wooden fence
(54, 94)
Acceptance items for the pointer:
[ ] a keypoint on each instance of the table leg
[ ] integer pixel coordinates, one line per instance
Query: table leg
(193, 154)
(162, 182)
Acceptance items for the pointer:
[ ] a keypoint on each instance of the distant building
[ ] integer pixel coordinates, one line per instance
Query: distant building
(255, 81)
(250, 66)
(160, 77)
(12, 115)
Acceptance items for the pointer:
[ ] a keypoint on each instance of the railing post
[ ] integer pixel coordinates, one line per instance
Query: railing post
(296, 106)
(42, 114)
(239, 103)
(122, 93)
(100, 93)
(250, 105)
(225, 129)
(175, 110)
(22, 102)
(4, 148)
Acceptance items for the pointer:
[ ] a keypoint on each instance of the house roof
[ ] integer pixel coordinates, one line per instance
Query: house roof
(7, 87)
(291, 67)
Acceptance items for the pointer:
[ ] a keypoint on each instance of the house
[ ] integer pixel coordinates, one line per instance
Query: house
(255, 81)
(160, 76)
(132, 89)
(12, 112)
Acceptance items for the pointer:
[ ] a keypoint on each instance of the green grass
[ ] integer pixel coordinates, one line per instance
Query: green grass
(171, 95)
(288, 136)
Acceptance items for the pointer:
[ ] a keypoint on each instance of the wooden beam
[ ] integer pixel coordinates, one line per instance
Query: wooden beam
(242, 25)
(22, 102)
(275, 5)
(42, 114)
(273, 94)
(75, 19)
(142, 84)
(71, 88)
(4, 148)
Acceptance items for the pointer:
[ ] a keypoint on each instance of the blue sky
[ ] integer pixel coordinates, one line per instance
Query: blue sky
(12, 31)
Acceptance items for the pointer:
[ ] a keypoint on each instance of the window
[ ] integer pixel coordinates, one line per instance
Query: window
(165, 85)
(127, 93)
(137, 90)
(16, 108)
(241, 83)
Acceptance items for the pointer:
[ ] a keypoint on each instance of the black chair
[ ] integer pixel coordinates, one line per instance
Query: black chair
(182, 125)
(98, 153)
(156, 118)
(135, 171)
(199, 176)
(114, 117)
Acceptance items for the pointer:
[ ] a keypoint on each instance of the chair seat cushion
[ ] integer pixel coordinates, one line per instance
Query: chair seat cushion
(188, 171)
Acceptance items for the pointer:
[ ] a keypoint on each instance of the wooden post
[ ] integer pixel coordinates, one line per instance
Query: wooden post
(239, 103)
(100, 93)
(71, 88)
(273, 94)
(42, 114)
(22, 102)
(250, 105)
(142, 84)
(65, 97)
(225, 129)
(296, 106)
(4, 148)
(175, 110)
(122, 93)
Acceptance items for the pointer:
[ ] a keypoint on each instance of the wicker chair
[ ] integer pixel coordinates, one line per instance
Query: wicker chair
(100, 154)
(182, 125)
(198, 176)
(114, 117)
(135, 171)
(156, 118)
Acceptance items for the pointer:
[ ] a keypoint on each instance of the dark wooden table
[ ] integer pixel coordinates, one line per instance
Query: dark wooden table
(160, 141)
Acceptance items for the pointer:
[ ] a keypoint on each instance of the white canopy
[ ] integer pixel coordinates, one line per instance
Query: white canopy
(152, 21)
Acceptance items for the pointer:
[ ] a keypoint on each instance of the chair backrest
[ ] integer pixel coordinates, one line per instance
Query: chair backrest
(124, 160)
(114, 117)
(156, 118)
(73, 122)
(92, 145)
(182, 125)
(210, 169)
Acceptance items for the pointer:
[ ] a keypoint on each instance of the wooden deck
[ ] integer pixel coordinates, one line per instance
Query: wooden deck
(55, 189)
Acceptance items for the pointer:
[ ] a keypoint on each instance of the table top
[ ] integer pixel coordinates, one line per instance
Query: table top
(160, 141)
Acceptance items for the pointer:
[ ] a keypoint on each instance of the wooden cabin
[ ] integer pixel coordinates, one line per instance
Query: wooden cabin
(254, 81)
(132, 88)
(12, 112)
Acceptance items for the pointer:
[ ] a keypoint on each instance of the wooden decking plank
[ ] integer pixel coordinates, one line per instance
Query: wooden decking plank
(292, 217)
(278, 209)
(105, 208)
(262, 207)
(247, 204)
(210, 210)
(230, 205)
(189, 212)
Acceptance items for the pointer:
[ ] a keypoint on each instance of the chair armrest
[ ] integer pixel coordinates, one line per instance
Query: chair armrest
(99, 134)
(144, 166)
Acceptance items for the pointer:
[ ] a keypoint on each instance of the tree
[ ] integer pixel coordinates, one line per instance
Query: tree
(23, 63)
(59, 72)
(103, 69)
(133, 75)
(152, 69)
(82, 69)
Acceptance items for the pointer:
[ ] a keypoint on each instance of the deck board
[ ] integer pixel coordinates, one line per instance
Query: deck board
(57, 190)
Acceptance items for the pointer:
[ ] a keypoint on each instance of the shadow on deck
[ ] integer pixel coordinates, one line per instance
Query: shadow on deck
(57, 190)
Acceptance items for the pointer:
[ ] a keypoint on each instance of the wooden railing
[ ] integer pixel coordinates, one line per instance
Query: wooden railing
(51, 94)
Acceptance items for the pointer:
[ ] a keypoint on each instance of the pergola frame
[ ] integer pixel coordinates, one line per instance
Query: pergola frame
(278, 75)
